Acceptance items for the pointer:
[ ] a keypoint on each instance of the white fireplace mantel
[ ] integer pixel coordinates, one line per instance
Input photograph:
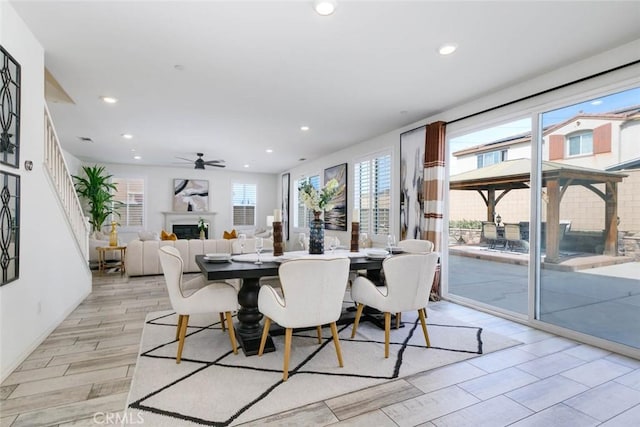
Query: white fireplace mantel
(171, 218)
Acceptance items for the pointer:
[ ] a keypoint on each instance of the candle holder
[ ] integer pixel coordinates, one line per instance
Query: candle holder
(355, 236)
(278, 245)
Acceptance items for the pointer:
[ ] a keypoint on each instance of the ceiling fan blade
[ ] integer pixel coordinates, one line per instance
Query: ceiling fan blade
(183, 158)
(213, 162)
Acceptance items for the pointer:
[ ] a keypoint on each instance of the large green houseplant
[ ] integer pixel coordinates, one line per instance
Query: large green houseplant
(98, 194)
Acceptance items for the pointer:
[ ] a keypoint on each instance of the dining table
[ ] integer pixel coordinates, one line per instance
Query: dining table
(248, 329)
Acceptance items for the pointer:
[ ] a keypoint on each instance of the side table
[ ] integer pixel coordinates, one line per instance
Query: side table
(102, 261)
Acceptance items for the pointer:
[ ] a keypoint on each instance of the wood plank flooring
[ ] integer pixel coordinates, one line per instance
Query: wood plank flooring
(83, 371)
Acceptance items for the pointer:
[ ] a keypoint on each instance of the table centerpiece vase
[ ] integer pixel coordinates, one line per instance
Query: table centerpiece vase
(316, 234)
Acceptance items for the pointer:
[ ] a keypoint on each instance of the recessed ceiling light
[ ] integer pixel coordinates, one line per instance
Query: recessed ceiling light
(304, 128)
(269, 150)
(109, 99)
(246, 166)
(324, 7)
(127, 136)
(447, 49)
(137, 157)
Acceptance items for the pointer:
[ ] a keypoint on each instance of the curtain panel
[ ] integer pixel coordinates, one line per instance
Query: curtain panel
(433, 191)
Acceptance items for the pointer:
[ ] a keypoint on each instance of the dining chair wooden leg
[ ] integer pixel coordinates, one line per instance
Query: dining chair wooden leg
(336, 342)
(287, 353)
(222, 321)
(422, 314)
(387, 327)
(232, 333)
(398, 319)
(265, 334)
(319, 331)
(183, 333)
(178, 327)
(357, 320)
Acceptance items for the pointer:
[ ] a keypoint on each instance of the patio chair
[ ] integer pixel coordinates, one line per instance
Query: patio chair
(512, 235)
(490, 233)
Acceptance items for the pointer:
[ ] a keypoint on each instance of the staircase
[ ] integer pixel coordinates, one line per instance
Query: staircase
(60, 178)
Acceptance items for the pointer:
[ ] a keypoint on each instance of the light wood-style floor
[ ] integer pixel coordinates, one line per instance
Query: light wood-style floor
(81, 374)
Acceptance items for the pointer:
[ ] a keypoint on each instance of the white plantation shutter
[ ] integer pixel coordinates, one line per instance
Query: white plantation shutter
(372, 193)
(304, 215)
(243, 199)
(130, 194)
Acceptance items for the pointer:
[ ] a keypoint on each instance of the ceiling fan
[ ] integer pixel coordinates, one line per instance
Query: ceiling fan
(200, 163)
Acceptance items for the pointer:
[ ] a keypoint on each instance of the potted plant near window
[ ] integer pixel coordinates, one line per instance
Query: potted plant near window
(98, 194)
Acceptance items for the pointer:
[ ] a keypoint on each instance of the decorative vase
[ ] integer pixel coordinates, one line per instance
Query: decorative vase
(316, 234)
(113, 235)
(202, 235)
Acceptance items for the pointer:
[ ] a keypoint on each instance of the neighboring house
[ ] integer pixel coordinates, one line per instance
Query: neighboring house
(595, 141)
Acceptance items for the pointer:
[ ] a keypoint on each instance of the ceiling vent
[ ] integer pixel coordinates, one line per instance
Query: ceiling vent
(85, 139)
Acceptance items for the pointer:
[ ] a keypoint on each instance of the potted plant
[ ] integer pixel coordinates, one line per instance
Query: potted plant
(98, 193)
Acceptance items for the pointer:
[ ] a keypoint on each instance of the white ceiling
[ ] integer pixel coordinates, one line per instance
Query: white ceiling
(253, 72)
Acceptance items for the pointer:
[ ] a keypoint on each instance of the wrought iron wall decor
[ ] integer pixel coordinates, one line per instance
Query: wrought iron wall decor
(9, 110)
(9, 227)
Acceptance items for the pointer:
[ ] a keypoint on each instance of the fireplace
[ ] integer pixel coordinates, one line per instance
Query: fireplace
(185, 223)
(188, 231)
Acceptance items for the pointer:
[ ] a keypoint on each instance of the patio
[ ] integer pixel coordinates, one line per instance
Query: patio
(593, 294)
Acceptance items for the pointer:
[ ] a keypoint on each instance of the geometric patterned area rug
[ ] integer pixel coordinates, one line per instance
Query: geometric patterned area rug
(212, 386)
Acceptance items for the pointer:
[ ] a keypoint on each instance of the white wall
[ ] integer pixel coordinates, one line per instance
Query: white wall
(575, 93)
(159, 194)
(54, 278)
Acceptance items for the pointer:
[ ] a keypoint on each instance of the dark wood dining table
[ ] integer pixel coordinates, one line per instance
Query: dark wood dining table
(248, 329)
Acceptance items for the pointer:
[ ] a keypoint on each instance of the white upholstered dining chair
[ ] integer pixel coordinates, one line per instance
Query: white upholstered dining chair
(408, 284)
(313, 290)
(416, 246)
(215, 297)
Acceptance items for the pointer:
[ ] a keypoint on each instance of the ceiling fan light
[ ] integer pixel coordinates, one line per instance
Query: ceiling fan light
(324, 7)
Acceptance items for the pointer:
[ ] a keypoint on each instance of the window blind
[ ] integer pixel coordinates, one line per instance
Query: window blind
(243, 199)
(372, 193)
(130, 194)
(304, 215)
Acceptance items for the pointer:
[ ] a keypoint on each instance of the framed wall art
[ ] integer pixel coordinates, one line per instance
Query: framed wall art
(190, 195)
(412, 152)
(336, 218)
(9, 227)
(286, 181)
(9, 110)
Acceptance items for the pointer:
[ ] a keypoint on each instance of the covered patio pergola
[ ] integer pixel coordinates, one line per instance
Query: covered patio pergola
(556, 178)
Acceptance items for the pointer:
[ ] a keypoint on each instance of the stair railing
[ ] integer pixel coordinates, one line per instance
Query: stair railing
(63, 183)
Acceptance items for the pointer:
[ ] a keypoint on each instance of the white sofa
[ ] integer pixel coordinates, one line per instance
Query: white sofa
(142, 256)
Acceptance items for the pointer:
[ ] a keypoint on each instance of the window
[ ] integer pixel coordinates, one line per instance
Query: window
(130, 194)
(579, 144)
(491, 158)
(372, 193)
(244, 204)
(302, 214)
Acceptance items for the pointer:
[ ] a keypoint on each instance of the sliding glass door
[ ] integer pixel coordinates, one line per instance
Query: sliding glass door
(590, 225)
(489, 216)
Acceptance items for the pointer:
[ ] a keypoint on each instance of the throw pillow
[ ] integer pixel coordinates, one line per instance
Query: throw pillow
(168, 236)
(230, 234)
(148, 235)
